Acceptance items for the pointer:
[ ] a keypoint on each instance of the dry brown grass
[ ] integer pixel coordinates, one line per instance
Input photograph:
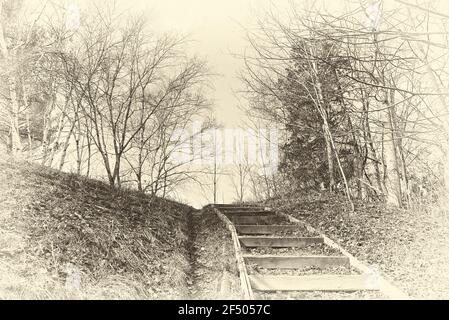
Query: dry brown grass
(121, 244)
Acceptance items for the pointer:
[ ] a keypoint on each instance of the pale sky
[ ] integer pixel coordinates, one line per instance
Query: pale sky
(213, 25)
(217, 30)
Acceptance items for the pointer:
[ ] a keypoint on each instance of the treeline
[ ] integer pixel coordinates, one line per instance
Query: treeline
(97, 87)
(361, 97)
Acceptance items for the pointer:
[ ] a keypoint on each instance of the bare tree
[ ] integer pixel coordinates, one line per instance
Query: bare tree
(363, 81)
(131, 87)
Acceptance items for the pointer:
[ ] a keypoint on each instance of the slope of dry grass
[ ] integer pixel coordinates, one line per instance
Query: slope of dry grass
(410, 246)
(63, 236)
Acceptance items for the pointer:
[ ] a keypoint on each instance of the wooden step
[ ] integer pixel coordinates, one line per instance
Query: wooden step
(294, 262)
(249, 213)
(279, 242)
(262, 229)
(314, 283)
(238, 208)
(255, 220)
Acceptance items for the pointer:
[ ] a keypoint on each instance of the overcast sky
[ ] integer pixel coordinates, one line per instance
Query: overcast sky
(217, 30)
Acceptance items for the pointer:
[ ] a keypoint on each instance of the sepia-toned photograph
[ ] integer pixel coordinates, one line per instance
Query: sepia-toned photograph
(212, 150)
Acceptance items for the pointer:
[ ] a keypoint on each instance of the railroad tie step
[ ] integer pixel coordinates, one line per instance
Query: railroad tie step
(238, 208)
(278, 242)
(254, 220)
(296, 262)
(346, 283)
(237, 213)
(264, 229)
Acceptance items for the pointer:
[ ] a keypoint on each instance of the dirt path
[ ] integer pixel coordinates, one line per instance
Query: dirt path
(192, 251)
(213, 272)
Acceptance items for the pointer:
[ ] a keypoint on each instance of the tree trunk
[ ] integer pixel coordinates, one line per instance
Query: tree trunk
(61, 125)
(30, 139)
(79, 145)
(400, 159)
(66, 146)
(27, 110)
(374, 156)
(116, 181)
(330, 159)
(16, 143)
(14, 133)
(391, 156)
(89, 155)
(215, 177)
(359, 162)
(46, 130)
(78, 154)
(88, 144)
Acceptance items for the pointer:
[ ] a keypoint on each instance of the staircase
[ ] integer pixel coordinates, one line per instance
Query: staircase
(281, 256)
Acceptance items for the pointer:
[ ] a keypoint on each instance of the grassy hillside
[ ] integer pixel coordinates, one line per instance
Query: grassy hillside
(215, 273)
(409, 246)
(62, 236)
